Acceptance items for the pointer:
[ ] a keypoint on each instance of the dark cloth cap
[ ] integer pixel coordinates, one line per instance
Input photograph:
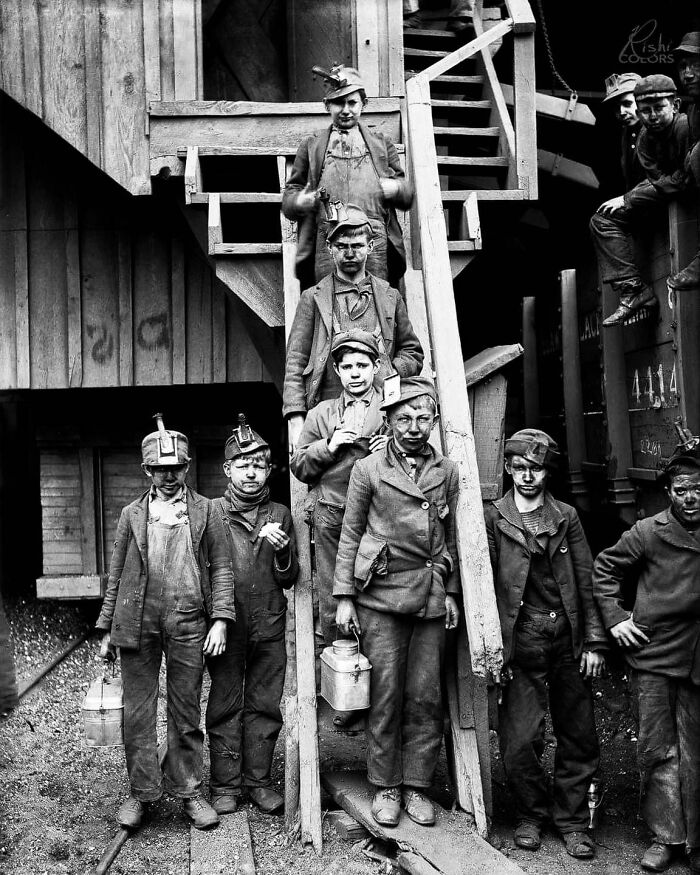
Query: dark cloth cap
(410, 387)
(535, 446)
(620, 83)
(656, 85)
(347, 216)
(243, 440)
(164, 447)
(357, 339)
(683, 457)
(690, 43)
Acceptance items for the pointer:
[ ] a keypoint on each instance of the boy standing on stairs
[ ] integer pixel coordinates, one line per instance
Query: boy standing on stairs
(347, 299)
(553, 640)
(243, 714)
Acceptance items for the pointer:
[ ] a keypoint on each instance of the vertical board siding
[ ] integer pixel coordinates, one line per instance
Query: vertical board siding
(61, 527)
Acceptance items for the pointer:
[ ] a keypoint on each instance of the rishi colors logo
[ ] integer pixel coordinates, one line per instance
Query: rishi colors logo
(646, 44)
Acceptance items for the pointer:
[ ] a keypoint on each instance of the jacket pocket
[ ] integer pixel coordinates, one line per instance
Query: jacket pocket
(371, 559)
(269, 625)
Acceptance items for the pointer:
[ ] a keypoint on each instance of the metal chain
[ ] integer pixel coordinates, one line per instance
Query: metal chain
(548, 47)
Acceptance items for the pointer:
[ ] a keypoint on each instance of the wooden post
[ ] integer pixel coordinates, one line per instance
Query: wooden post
(481, 614)
(621, 491)
(530, 370)
(309, 779)
(573, 390)
(524, 97)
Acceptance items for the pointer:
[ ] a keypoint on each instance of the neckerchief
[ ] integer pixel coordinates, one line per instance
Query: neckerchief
(242, 502)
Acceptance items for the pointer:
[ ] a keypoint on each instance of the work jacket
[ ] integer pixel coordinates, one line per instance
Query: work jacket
(662, 156)
(665, 558)
(571, 564)
(395, 531)
(307, 168)
(122, 609)
(309, 344)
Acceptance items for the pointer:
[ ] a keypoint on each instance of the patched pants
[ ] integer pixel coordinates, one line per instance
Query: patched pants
(546, 674)
(668, 753)
(405, 720)
(243, 713)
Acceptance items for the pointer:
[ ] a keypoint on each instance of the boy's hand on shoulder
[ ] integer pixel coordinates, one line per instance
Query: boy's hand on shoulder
(341, 437)
(215, 642)
(451, 612)
(592, 664)
(378, 442)
(612, 205)
(275, 535)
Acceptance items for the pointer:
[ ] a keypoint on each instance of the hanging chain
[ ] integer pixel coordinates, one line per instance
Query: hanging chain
(548, 47)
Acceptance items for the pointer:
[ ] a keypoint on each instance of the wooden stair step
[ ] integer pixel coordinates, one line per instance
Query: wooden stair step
(461, 245)
(458, 131)
(240, 197)
(473, 161)
(460, 104)
(449, 79)
(245, 249)
(423, 33)
(487, 194)
(433, 54)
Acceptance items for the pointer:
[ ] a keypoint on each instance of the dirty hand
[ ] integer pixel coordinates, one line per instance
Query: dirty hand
(295, 423)
(628, 634)
(274, 534)
(107, 650)
(341, 437)
(377, 442)
(346, 616)
(612, 205)
(592, 664)
(501, 680)
(390, 188)
(306, 199)
(451, 612)
(215, 642)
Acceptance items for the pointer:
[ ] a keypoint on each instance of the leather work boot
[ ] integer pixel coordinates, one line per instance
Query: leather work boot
(657, 857)
(386, 806)
(418, 807)
(268, 800)
(200, 812)
(630, 301)
(131, 812)
(688, 278)
(225, 803)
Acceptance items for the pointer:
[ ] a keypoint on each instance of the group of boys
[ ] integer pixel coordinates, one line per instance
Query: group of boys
(199, 579)
(660, 163)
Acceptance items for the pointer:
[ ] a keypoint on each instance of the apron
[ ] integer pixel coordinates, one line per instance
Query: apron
(173, 574)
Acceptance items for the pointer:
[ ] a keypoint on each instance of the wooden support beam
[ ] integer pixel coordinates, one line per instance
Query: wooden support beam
(524, 115)
(530, 368)
(466, 51)
(309, 777)
(471, 222)
(193, 174)
(555, 107)
(215, 235)
(574, 171)
(521, 13)
(483, 624)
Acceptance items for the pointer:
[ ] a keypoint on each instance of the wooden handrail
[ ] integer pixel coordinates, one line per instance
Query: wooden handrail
(521, 13)
(466, 51)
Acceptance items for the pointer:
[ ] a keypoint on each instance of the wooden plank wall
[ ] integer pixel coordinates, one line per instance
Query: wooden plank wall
(88, 68)
(99, 289)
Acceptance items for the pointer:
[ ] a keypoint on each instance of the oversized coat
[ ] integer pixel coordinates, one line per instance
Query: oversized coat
(571, 564)
(122, 609)
(395, 530)
(665, 558)
(307, 168)
(309, 344)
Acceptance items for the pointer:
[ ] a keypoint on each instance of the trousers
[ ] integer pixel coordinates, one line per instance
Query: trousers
(546, 673)
(668, 753)
(405, 720)
(327, 523)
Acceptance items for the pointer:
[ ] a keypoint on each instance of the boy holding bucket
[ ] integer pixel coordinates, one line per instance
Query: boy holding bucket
(396, 582)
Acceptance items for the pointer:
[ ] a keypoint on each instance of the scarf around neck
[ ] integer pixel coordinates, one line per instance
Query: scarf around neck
(242, 502)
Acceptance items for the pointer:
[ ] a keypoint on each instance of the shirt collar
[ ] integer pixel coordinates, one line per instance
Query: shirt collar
(352, 399)
(340, 286)
(153, 495)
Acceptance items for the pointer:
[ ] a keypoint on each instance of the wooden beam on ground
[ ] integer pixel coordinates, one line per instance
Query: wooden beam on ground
(228, 848)
(451, 846)
(555, 107)
(567, 168)
(309, 777)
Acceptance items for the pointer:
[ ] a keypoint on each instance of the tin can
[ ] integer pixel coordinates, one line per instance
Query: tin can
(103, 713)
(345, 674)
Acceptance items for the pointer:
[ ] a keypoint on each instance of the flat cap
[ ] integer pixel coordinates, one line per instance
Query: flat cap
(347, 216)
(656, 85)
(409, 388)
(357, 339)
(618, 84)
(690, 43)
(535, 446)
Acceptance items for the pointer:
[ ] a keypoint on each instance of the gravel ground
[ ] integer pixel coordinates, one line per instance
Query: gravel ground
(59, 797)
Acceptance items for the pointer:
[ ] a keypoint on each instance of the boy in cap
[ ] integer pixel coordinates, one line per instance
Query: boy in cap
(661, 639)
(347, 162)
(661, 150)
(552, 643)
(347, 299)
(337, 433)
(619, 95)
(687, 55)
(396, 583)
(169, 579)
(243, 714)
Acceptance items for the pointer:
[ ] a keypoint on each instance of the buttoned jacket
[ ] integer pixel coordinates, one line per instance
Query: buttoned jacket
(309, 344)
(394, 532)
(307, 168)
(571, 564)
(122, 609)
(665, 559)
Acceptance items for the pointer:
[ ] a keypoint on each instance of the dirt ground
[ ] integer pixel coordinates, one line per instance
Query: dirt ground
(59, 798)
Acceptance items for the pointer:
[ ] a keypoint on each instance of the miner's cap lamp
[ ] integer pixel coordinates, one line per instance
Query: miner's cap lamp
(164, 447)
(243, 440)
(340, 81)
(535, 446)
